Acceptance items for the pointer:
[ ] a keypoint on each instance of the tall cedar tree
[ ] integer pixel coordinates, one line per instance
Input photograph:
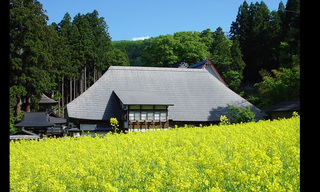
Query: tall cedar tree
(30, 52)
(89, 53)
(227, 58)
(61, 59)
(255, 29)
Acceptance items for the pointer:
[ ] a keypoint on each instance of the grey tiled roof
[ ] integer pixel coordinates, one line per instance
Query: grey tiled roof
(142, 98)
(35, 119)
(46, 100)
(196, 95)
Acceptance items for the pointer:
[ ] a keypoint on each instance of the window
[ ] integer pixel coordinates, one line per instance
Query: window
(163, 116)
(131, 115)
(156, 115)
(137, 115)
(143, 115)
(150, 115)
(147, 113)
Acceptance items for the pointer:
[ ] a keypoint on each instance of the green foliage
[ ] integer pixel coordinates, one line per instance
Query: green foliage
(92, 47)
(270, 43)
(233, 79)
(119, 57)
(267, 39)
(67, 55)
(227, 58)
(169, 49)
(239, 115)
(31, 56)
(282, 85)
(133, 49)
(190, 47)
(161, 53)
(12, 119)
(221, 56)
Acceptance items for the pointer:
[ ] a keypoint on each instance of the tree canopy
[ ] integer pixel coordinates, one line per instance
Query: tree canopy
(166, 50)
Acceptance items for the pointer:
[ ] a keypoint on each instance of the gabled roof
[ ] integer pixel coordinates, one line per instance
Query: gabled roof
(207, 64)
(35, 119)
(196, 95)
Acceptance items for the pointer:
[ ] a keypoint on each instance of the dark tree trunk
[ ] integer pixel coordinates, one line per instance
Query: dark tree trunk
(18, 108)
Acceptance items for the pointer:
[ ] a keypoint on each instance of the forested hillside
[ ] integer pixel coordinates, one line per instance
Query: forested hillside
(64, 59)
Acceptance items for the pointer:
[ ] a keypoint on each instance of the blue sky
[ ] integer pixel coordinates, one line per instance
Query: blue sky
(150, 18)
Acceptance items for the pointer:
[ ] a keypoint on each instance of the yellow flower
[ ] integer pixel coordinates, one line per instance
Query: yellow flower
(262, 156)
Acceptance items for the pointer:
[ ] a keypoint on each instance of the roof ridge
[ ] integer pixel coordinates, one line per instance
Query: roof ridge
(143, 68)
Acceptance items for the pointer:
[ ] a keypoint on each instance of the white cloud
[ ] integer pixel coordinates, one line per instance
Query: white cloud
(140, 38)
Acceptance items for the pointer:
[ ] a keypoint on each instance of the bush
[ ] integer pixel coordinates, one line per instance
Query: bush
(238, 115)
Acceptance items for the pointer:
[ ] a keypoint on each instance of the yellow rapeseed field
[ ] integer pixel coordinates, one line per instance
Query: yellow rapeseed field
(263, 156)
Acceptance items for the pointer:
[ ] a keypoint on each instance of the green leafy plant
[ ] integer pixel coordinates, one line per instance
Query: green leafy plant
(239, 115)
